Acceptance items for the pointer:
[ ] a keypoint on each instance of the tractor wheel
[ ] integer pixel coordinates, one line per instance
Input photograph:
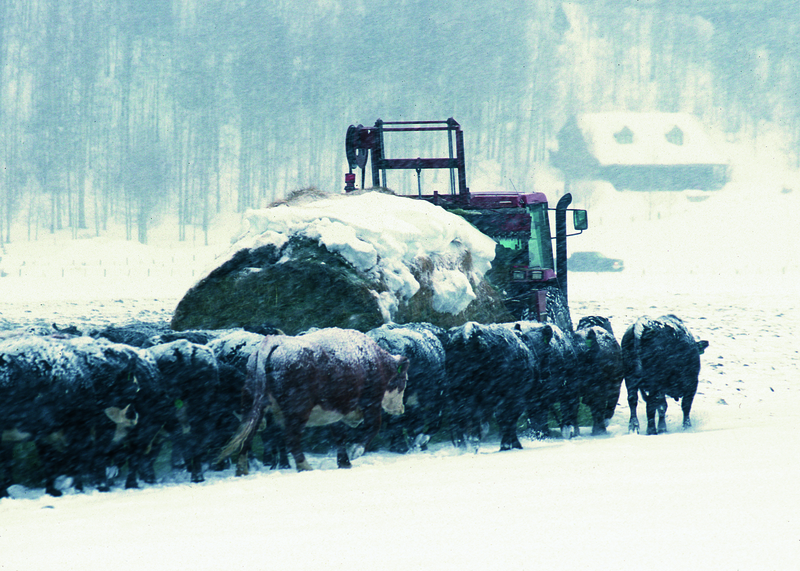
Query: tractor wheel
(557, 309)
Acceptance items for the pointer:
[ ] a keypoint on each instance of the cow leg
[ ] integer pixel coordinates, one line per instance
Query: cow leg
(509, 439)
(433, 426)
(538, 418)
(457, 429)
(242, 463)
(339, 436)
(6, 466)
(189, 440)
(633, 402)
(144, 467)
(88, 454)
(293, 431)
(51, 459)
(394, 433)
(195, 467)
(651, 406)
(656, 403)
(49, 474)
(414, 421)
(186, 451)
(507, 418)
(662, 415)
(98, 472)
(342, 459)
(570, 403)
(686, 406)
(131, 482)
(275, 454)
(598, 421)
(135, 465)
(373, 416)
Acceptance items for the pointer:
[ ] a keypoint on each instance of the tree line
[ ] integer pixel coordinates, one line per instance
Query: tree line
(138, 111)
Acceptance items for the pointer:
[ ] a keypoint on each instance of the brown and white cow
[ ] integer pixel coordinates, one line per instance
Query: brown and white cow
(319, 378)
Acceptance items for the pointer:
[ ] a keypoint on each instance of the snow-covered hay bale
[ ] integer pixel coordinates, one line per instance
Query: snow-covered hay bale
(351, 261)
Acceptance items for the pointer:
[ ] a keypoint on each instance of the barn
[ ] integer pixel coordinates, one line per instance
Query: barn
(640, 151)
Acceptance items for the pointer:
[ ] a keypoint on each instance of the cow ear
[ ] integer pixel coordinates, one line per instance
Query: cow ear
(547, 333)
(702, 346)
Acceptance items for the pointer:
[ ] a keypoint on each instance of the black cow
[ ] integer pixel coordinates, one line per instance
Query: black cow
(190, 387)
(77, 399)
(490, 371)
(426, 387)
(601, 370)
(661, 358)
(557, 362)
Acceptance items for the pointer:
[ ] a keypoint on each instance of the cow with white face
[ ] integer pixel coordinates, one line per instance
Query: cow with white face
(322, 377)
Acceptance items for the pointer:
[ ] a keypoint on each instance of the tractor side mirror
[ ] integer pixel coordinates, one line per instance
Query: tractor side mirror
(580, 220)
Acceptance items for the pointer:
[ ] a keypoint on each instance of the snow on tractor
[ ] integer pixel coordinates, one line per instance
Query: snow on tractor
(523, 271)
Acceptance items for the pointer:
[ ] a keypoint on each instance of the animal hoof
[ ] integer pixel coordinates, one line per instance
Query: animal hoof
(53, 491)
(242, 467)
(356, 451)
(304, 466)
(399, 448)
(421, 441)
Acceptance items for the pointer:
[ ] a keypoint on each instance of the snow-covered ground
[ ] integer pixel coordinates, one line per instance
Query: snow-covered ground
(722, 495)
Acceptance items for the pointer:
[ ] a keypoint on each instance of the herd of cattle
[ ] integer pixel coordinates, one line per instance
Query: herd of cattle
(92, 403)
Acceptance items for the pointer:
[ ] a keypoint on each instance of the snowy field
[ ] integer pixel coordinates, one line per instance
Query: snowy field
(723, 495)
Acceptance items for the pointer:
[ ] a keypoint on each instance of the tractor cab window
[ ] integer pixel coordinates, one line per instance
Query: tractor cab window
(540, 246)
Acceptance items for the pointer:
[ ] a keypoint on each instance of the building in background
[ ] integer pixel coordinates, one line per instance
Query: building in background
(640, 151)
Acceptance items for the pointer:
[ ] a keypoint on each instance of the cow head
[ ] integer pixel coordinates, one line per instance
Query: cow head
(393, 397)
(120, 417)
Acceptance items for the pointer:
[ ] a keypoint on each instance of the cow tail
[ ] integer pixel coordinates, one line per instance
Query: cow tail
(253, 419)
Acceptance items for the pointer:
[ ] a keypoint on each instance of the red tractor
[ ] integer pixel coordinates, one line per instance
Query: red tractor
(523, 271)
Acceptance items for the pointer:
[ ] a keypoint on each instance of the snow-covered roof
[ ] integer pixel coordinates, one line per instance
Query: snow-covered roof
(627, 138)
